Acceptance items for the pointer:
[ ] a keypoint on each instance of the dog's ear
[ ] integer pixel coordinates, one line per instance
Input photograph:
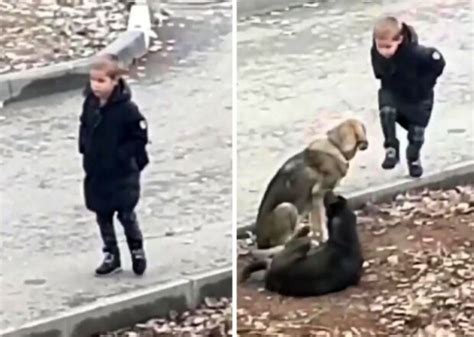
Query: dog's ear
(341, 201)
(334, 222)
(360, 134)
(334, 202)
(344, 137)
(330, 198)
(333, 136)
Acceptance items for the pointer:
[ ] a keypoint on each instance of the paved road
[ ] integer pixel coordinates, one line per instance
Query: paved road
(309, 68)
(49, 243)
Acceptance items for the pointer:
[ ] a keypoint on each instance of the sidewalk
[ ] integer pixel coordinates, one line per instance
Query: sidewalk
(247, 8)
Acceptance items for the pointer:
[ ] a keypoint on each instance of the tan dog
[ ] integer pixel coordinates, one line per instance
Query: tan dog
(341, 144)
(299, 186)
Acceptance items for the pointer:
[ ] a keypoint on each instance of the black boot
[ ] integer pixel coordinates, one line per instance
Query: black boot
(388, 117)
(414, 168)
(134, 240)
(138, 261)
(415, 142)
(111, 262)
(392, 157)
(110, 265)
(413, 160)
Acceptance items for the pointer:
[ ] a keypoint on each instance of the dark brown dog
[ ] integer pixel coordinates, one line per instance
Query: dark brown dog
(301, 270)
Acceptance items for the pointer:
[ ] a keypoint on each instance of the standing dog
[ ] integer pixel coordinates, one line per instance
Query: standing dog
(300, 270)
(299, 185)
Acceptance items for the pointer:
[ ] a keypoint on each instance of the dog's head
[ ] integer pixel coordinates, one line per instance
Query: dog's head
(348, 137)
(341, 219)
(333, 203)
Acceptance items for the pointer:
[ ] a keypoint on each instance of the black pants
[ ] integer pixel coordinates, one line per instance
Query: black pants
(128, 219)
(413, 117)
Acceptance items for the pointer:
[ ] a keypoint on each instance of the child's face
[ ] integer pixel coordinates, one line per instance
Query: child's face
(387, 47)
(102, 85)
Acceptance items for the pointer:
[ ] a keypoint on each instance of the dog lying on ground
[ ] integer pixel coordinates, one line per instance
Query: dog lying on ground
(300, 184)
(301, 270)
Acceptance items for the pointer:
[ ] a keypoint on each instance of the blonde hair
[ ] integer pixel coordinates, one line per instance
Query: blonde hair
(387, 27)
(109, 63)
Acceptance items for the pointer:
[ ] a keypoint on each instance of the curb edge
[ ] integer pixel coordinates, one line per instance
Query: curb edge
(126, 310)
(69, 75)
(456, 174)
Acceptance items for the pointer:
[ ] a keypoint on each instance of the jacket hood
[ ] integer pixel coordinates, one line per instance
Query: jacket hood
(121, 93)
(409, 34)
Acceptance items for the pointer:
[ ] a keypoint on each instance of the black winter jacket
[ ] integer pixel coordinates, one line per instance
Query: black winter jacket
(112, 140)
(412, 72)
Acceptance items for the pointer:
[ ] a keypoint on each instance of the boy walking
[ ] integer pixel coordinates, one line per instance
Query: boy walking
(408, 72)
(112, 139)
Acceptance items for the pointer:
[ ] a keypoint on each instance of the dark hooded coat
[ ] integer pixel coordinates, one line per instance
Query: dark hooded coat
(112, 141)
(409, 77)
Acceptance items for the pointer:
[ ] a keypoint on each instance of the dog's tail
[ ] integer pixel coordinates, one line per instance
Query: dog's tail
(251, 268)
(245, 232)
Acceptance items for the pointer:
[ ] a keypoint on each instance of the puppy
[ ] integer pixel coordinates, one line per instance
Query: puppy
(301, 270)
(298, 187)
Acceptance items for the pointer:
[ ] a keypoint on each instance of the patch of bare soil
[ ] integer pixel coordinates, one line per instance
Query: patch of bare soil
(212, 319)
(418, 277)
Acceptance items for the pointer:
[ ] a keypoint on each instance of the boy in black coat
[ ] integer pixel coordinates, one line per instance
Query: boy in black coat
(112, 139)
(408, 72)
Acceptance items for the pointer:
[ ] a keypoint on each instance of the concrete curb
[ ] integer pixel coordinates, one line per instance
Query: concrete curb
(126, 310)
(457, 174)
(246, 8)
(67, 75)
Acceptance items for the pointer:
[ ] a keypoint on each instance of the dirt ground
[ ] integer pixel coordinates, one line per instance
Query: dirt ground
(418, 277)
(212, 319)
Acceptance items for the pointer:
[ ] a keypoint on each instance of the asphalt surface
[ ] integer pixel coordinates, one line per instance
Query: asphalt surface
(49, 242)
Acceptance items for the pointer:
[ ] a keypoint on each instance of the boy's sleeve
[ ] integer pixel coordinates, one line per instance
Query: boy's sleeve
(136, 136)
(375, 67)
(82, 132)
(431, 61)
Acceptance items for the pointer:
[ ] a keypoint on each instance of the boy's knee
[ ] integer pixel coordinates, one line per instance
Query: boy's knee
(416, 138)
(127, 217)
(386, 97)
(387, 109)
(388, 112)
(416, 134)
(104, 219)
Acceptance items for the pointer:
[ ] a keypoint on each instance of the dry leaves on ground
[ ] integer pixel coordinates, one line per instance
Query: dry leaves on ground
(418, 278)
(212, 319)
(34, 35)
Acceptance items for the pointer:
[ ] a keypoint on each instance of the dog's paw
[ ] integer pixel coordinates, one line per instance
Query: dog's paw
(303, 231)
(315, 243)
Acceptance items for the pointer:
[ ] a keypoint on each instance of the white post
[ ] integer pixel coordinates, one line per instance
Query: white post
(155, 6)
(140, 20)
